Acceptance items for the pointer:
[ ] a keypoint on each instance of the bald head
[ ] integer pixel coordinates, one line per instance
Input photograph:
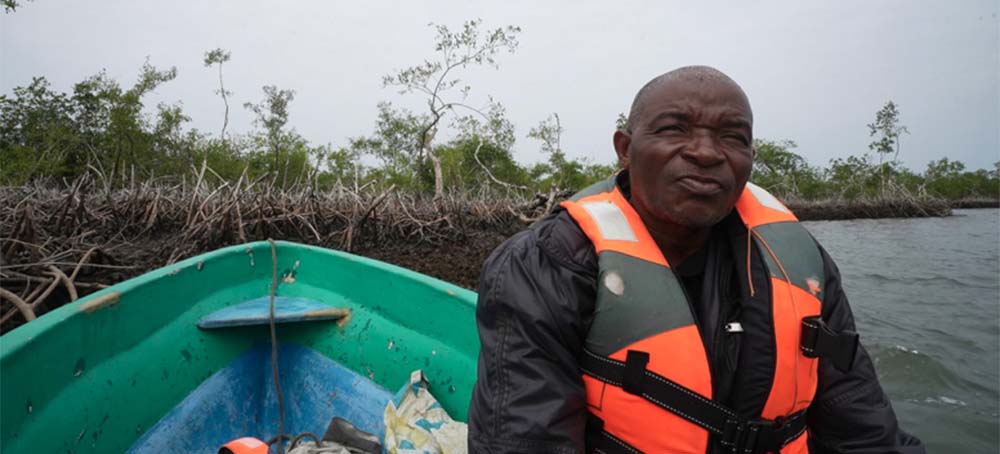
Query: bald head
(687, 75)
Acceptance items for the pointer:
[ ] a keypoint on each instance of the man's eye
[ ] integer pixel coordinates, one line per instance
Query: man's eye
(670, 128)
(735, 138)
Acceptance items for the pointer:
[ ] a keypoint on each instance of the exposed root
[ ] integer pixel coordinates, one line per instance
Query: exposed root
(22, 306)
(60, 242)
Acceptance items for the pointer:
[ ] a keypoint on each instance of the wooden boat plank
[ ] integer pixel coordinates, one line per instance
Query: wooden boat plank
(286, 310)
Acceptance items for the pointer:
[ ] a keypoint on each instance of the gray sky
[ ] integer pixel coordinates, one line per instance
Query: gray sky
(815, 72)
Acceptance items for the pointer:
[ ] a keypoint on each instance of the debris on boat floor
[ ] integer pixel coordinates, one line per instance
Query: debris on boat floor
(82, 433)
(342, 314)
(289, 275)
(345, 315)
(416, 422)
(100, 302)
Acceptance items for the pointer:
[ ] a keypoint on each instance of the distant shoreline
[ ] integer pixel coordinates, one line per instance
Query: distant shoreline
(975, 203)
(837, 210)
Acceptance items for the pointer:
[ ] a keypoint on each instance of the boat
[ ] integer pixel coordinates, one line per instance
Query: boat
(179, 359)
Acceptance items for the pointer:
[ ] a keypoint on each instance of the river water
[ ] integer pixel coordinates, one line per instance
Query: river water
(926, 297)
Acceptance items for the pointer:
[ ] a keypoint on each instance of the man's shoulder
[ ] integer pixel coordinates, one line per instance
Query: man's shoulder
(558, 238)
(546, 273)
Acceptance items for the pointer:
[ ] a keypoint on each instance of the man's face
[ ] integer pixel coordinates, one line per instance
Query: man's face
(690, 153)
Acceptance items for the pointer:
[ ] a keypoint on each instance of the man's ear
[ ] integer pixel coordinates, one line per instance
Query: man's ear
(622, 140)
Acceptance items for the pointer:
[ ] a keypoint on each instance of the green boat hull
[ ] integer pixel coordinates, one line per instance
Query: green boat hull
(95, 375)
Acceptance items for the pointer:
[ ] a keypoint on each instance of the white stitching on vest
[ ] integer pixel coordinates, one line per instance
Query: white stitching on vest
(689, 417)
(686, 391)
(603, 379)
(621, 443)
(739, 430)
(671, 384)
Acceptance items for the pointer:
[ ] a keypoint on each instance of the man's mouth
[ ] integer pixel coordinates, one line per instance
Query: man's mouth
(700, 185)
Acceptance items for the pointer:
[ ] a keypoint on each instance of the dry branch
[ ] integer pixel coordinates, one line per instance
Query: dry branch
(25, 309)
(61, 242)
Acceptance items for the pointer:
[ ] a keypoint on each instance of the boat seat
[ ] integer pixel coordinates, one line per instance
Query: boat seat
(286, 310)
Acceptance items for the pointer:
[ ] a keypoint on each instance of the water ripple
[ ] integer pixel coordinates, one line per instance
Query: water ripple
(926, 298)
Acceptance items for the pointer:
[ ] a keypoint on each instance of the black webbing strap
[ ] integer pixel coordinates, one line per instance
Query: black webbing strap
(819, 341)
(599, 441)
(634, 377)
(740, 435)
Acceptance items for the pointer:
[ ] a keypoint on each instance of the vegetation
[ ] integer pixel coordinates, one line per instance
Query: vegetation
(9, 6)
(104, 127)
(436, 81)
(860, 177)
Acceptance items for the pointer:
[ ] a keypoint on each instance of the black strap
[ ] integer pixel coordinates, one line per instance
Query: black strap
(740, 435)
(600, 441)
(819, 341)
(635, 371)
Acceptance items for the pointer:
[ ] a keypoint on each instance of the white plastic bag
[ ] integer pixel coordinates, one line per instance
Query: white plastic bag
(415, 423)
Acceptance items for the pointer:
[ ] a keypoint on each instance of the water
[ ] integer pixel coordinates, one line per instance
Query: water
(926, 297)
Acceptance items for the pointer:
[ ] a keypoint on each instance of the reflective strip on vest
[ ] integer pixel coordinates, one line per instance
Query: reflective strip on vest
(641, 306)
(758, 207)
(610, 220)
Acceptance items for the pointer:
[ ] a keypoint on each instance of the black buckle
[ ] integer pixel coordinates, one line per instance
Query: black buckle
(761, 436)
(818, 340)
(746, 437)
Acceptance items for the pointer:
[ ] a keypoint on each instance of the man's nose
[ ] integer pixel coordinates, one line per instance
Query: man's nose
(704, 149)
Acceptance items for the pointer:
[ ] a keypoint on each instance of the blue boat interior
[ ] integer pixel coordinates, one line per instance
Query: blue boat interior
(239, 400)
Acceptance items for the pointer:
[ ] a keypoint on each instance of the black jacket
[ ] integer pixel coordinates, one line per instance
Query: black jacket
(536, 297)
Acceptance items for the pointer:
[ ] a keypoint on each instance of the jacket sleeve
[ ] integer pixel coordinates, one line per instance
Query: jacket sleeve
(529, 395)
(851, 413)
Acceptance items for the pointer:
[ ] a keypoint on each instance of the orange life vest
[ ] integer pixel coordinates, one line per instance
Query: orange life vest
(645, 368)
(245, 445)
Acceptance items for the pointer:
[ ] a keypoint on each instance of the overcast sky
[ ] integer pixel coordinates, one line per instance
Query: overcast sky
(816, 72)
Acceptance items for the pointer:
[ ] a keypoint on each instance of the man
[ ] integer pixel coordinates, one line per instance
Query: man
(674, 308)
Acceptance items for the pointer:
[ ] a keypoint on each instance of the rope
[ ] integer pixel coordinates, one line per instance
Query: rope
(303, 435)
(294, 441)
(274, 349)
